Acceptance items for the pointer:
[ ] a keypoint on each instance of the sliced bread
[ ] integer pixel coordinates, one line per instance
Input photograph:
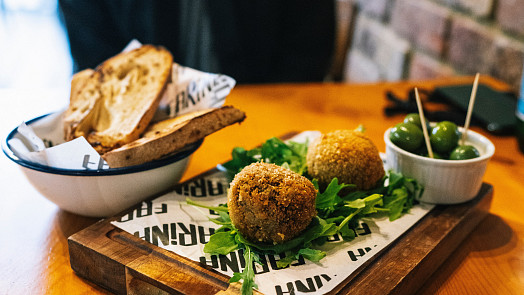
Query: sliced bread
(171, 135)
(121, 96)
(80, 106)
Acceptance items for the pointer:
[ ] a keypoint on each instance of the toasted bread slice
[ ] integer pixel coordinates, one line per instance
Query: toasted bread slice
(124, 93)
(168, 136)
(79, 108)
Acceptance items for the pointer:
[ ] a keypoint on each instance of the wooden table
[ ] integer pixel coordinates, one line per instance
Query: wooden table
(34, 256)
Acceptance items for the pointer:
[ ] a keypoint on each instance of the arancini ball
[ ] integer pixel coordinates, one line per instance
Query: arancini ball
(270, 204)
(348, 155)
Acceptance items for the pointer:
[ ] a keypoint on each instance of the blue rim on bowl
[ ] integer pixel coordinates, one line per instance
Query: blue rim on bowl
(171, 158)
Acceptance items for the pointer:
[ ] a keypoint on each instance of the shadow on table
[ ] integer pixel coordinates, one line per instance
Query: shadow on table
(492, 237)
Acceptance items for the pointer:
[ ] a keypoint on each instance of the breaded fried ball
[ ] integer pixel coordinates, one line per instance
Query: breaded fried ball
(270, 204)
(348, 155)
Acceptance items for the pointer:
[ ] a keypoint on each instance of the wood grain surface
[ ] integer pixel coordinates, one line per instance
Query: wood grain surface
(34, 255)
(125, 264)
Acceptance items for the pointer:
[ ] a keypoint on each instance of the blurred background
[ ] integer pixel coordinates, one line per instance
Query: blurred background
(34, 51)
(420, 39)
(376, 40)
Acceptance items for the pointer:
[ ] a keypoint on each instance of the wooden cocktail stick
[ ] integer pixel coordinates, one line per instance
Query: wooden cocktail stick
(470, 109)
(423, 123)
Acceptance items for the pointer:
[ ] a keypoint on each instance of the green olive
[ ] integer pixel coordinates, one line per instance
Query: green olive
(413, 118)
(407, 136)
(464, 152)
(444, 137)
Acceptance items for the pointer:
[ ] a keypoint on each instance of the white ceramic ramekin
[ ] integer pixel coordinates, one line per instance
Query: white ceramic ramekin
(445, 181)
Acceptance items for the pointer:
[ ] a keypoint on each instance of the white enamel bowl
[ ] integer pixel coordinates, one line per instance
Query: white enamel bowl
(445, 181)
(102, 193)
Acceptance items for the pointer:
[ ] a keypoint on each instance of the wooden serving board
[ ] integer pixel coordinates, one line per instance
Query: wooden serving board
(124, 264)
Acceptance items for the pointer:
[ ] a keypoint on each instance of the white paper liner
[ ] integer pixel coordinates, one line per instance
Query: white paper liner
(170, 223)
(190, 90)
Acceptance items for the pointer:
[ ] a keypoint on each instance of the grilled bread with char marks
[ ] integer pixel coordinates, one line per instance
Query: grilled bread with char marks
(113, 104)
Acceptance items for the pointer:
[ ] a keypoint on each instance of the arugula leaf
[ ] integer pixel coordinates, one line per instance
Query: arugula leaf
(395, 181)
(221, 243)
(309, 234)
(395, 202)
(222, 208)
(291, 155)
(314, 255)
(371, 204)
(347, 232)
(357, 204)
(223, 219)
(402, 194)
(276, 151)
(240, 159)
(286, 261)
(325, 201)
(339, 211)
(248, 274)
(364, 206)
(310, 254)
(328, 228)
(360, 128)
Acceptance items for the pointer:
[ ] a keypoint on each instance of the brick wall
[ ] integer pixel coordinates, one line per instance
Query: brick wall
(390, 40)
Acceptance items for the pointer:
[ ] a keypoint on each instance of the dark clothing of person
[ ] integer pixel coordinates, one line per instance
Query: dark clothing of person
(251, 41)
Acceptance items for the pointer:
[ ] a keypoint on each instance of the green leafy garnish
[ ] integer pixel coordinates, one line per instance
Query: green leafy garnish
(220, 208)
(221, 243)
(291, 155)
(340, 208)
(325, 201)
(248, 275)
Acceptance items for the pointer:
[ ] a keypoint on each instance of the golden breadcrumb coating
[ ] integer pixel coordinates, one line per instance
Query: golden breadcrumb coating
(270, 204)
(348, 155)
